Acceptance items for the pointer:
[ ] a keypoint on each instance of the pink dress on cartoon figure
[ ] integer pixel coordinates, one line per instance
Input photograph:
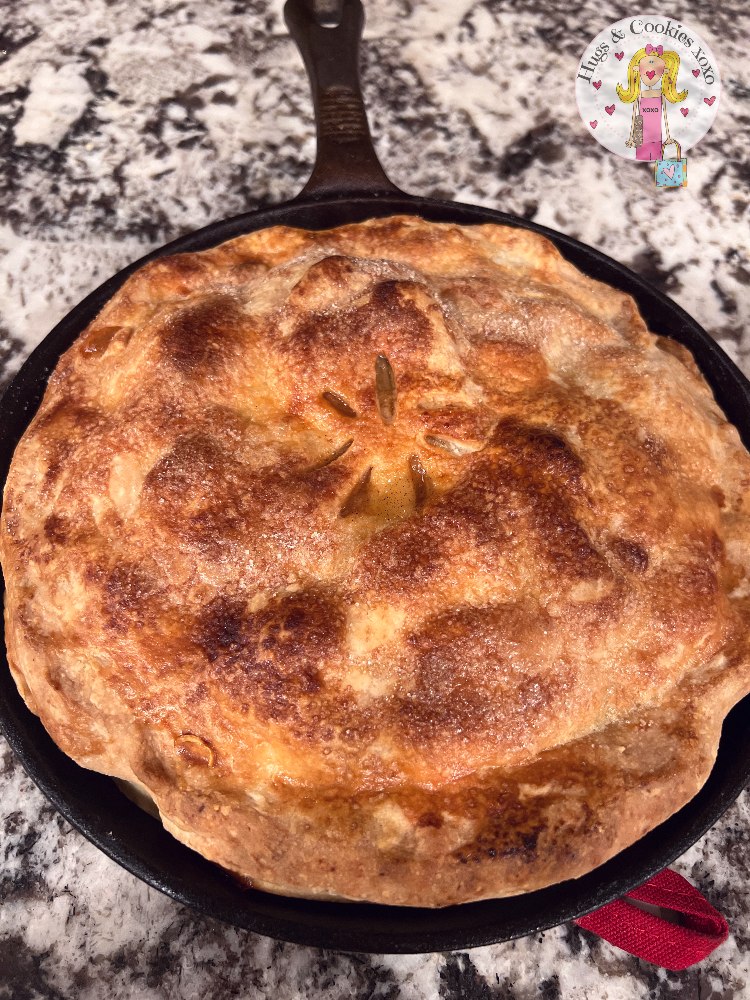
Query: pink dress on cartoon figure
(652, 82)
(650, 109)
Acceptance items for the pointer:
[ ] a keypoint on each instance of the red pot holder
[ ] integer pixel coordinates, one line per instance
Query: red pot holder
(674, 946)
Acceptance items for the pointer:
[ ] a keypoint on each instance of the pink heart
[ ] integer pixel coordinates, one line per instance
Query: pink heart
(619, 55)
(610, 109)
(593, 124)
(651, 74)
(597, 84)
(684, 112)
(696, 72)
(669, 171)
(709, 100)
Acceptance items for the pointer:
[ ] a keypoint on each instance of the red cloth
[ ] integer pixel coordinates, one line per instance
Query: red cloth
(673, 946)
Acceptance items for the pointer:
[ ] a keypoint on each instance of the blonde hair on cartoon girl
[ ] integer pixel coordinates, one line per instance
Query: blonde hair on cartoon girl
(668, 84)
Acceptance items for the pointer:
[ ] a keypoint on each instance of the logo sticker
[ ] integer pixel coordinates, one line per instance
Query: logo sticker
(648, 89)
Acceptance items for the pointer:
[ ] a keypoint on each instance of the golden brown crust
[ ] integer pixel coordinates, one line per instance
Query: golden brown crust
(396, 562)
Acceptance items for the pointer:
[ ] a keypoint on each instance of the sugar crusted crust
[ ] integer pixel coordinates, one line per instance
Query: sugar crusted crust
(396, 562)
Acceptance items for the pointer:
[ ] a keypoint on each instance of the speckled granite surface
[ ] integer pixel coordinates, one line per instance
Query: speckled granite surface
(123, 125)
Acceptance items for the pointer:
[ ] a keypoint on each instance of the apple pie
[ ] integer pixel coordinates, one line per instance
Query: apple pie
(397, 562)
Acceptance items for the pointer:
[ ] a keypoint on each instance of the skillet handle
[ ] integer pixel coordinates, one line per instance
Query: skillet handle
(346, 162)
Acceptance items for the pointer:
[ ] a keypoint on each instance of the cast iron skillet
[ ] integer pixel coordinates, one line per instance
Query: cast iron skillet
(349, 185)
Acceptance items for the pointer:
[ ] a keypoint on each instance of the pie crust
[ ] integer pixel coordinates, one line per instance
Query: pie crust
(396, 562)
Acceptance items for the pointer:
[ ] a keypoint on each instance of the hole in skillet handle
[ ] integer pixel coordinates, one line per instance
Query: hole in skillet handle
(327, 34)
(328, 12)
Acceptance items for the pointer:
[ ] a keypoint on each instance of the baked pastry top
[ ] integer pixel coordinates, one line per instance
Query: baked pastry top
(395, 562)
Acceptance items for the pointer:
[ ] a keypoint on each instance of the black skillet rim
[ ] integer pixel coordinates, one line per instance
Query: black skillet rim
(137, 842)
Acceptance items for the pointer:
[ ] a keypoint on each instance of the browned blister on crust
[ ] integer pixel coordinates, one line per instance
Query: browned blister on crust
(395, 562)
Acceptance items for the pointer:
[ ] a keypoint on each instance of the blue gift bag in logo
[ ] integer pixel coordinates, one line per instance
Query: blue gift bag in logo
(671, 173)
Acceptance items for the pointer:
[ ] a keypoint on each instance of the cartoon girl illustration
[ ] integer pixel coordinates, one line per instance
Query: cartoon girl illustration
(652, 81)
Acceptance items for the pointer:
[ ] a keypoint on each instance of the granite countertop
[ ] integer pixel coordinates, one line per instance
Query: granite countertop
(124, 125)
